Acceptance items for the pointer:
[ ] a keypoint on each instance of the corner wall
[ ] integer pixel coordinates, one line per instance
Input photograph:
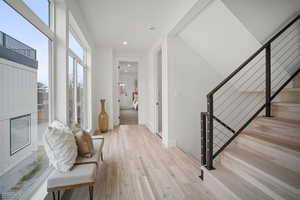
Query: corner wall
(263, 17)
(190, 78)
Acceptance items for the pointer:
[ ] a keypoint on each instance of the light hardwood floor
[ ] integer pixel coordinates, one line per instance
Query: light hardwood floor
(137, 167)
(129, 116)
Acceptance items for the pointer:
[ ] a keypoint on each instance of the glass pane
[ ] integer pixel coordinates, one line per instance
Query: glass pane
(71, 88)
(75, 46)
(19, 133)
(23, 168)
(40, 8)
(80, 95)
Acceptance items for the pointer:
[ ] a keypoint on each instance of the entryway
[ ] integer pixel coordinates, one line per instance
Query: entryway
(128, 92)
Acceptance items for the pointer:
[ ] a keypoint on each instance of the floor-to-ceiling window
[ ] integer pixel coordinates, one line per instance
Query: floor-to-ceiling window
(25, 83)
(77, 80)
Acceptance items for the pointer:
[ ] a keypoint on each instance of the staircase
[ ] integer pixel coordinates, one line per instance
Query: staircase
(264, 163)
(259, 157)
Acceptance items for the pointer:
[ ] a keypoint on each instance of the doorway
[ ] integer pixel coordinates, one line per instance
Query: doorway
(128, 92)
(159, 92)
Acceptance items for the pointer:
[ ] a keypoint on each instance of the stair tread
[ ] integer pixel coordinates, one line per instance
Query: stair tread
(297, 105)
(236, 184)
(268, 168)
(275, 141)
(286, 122)
(285, 132)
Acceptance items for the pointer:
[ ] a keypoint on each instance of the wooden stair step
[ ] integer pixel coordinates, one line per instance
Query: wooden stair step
(268, 186)
(226, 185)
(278, 151)
(283, 129)
(246, 162)
(294, 123)
(291, 95)
(286, 110)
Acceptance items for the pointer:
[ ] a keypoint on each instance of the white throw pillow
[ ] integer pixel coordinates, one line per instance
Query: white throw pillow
(58, 125)
(61, 148)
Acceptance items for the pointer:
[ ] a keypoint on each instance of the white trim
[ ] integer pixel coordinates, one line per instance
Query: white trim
(51, 46)
(79, 60)
(28, 14)
(155, 86)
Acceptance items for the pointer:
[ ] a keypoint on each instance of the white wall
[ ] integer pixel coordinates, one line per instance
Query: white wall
(103, 84)
(142, 89)
(149, 85)
(263, 17)
(190, 78)
(219, 37)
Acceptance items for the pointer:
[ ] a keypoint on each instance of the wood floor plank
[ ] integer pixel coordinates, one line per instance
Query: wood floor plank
(138, 167)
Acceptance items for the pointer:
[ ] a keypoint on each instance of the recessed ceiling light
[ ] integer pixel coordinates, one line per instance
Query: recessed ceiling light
(125, 43)
(128, 65)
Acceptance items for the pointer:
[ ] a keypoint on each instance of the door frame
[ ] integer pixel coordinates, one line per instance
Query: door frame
(155, 84)
(116, 107)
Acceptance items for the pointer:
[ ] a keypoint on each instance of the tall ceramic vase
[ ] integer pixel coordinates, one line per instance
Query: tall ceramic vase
(103, 118)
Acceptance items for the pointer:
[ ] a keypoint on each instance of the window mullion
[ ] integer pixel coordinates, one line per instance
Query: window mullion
(75, 90)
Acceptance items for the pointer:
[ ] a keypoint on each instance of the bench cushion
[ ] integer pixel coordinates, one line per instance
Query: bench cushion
(79, 174)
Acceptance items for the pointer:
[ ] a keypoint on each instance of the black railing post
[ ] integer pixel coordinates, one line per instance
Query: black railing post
(268, 80)
(210, 136)
(203, 138)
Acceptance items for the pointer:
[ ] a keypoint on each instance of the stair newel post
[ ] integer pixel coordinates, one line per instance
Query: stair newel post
(210, 128)
(268, 80)
(203, 138)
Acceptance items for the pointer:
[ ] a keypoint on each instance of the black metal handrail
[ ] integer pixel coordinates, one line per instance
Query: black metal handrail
(210, 149)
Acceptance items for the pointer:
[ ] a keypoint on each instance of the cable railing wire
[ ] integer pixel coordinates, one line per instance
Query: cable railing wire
(249, 90)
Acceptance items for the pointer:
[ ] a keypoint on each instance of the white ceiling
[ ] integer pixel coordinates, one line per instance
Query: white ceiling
(114, 21)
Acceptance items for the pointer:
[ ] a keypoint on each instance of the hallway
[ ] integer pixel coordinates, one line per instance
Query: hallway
(128, 116)
(132, 170)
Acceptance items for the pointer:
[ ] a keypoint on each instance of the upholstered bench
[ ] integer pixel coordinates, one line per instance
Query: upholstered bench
(82, 174)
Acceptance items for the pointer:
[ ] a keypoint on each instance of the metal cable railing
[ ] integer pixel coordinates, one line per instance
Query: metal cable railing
(249, 90)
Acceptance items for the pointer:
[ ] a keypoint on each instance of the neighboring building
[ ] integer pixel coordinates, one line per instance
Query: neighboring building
(18, 111)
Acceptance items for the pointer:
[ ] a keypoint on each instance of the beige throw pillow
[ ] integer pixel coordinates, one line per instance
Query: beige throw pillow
(84, 144)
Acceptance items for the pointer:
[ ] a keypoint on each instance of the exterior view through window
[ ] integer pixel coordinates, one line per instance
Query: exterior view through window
(24, 106)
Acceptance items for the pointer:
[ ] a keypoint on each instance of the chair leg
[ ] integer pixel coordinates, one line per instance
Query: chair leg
(101, 156)
(58, 194)
(91, 190)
